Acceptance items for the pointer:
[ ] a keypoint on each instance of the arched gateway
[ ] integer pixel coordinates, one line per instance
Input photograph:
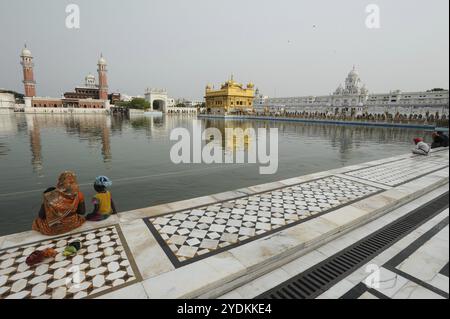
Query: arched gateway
(159, 105)
(157, 99)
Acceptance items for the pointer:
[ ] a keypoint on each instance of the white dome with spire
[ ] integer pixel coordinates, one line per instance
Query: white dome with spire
(102, 60)
(26, 52)
(353, 73)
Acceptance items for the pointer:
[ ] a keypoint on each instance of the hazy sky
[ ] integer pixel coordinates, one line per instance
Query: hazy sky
(286, 47)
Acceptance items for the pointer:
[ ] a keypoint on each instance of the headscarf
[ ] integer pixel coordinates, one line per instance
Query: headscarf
(68, 184)
(64, 200)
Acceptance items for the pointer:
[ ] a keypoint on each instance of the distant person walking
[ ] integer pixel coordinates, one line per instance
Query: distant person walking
(422, 148)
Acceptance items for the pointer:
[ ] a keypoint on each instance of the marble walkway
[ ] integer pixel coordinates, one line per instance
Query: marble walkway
(220, 244)
(416, 267)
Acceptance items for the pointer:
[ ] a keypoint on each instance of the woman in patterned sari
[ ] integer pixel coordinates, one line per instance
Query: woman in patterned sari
(62, 207)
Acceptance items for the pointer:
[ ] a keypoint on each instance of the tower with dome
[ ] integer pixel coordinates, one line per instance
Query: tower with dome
(102, 79)
(28, 72)
(90, 97)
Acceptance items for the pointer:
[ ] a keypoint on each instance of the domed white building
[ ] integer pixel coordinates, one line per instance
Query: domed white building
(353, 97)
(353, 94)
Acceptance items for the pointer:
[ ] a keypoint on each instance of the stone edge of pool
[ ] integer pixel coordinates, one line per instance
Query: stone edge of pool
(220, 273)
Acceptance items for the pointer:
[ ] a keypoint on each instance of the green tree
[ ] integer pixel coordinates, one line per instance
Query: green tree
(135, 103)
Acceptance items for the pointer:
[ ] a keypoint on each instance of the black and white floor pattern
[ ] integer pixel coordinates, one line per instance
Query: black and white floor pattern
(401, 171)
(190, 235)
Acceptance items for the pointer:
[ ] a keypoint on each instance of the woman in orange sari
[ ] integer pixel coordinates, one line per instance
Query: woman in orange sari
(62, 207)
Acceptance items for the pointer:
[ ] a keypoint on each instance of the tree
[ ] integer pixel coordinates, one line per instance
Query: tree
(135, 103)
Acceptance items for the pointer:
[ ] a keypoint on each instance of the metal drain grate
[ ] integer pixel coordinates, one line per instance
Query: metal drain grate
(319, 278)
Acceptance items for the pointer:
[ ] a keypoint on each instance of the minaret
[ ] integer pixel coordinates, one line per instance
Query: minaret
(28, 75)
(102, 79)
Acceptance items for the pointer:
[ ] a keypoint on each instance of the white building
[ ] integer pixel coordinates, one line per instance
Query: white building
(354, 97)
(170, 102)
(89, 81)
(7, 99)
(158, 99)
(260, 100)
(189, 103)
(194, 103)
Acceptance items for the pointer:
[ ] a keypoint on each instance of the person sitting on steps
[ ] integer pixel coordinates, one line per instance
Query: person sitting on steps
(62, 207)
(422, 148)
(103, 202)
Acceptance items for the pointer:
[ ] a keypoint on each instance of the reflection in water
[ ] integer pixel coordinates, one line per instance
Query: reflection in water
(91, 128)
(236, 135)
(7, 128)
(3, 149)
(343, 138)
(35, 144)
(98, 129)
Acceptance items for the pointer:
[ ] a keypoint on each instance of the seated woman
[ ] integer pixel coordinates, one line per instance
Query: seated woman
(62, 207)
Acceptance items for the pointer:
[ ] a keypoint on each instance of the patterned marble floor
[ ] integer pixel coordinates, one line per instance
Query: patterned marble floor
(102, 264)
(190, 235)
(401, 171)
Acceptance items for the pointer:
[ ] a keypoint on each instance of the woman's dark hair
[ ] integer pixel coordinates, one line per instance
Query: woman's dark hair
(99, 188)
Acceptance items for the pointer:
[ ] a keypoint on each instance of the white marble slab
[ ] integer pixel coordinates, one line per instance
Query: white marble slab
(412, 290)
(150, 259)
(194, 279)
(390, 283)
(441, 282)
(304, 262)
(263, 283)
(346, 216)
(428, 260)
